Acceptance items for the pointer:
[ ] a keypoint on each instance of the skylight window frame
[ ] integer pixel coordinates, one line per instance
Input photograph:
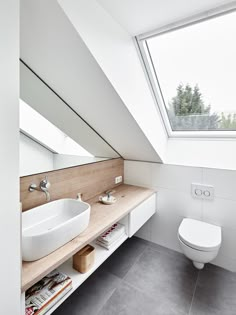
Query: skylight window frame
(42, 130)
(152, 77)
(38, 141)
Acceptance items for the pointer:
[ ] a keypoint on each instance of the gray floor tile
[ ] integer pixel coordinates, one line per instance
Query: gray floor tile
(124, 257)
(127, 300)
(147, 279)
(216, 291)
(164, 278)
(203, 309)
(162, 249)
(90, 297)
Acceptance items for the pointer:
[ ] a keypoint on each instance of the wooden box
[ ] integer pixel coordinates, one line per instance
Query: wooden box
(84, 259)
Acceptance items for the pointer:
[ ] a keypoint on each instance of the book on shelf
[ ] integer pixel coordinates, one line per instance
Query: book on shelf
(109, 246)
(111, 236)
(46, 293)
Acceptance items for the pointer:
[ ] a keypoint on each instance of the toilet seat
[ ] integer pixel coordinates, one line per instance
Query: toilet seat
(200, 235)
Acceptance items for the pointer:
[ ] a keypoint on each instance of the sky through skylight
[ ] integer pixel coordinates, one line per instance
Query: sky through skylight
(202, 54)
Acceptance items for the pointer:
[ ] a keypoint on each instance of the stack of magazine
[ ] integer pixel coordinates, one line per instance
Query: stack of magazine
(111, 236)
(47, 292)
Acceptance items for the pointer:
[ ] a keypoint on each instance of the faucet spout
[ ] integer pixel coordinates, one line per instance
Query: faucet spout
(43, 186)
(48, 198)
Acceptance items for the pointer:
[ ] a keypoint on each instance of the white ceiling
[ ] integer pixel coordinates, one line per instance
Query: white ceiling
(140, 16)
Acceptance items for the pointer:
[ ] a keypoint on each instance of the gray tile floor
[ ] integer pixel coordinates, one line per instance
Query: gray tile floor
(146, 279)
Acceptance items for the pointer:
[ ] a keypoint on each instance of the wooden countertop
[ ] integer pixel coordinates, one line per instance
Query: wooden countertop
(102, 216)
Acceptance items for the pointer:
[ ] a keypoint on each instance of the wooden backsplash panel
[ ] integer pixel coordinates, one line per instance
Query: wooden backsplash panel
(90, 180)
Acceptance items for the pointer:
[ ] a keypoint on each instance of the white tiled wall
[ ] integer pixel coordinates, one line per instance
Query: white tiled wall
(175, 202)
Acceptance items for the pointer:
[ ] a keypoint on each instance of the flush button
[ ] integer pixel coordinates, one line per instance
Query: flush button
(198, 192)
(206, 193)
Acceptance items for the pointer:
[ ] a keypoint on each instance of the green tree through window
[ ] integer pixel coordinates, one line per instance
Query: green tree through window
(228, 122)
(187, 110)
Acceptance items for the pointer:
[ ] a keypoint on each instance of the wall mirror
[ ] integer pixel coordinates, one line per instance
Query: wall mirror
(52, 135)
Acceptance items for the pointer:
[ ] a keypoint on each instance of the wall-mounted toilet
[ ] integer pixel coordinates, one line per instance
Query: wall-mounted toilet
(200, 241)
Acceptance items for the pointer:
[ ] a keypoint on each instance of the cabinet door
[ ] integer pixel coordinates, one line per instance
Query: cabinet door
(141, 214)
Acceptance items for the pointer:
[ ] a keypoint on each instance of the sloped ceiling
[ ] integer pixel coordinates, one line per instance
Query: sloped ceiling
(141, 16)
(115, 52)
(53, 49)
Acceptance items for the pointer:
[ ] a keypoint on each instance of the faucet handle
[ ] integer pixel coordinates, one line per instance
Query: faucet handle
(110, 192)
(45, 184)
(32, 187)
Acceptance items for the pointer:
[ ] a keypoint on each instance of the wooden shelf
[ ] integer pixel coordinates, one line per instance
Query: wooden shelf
(102, 217)
(101, 254)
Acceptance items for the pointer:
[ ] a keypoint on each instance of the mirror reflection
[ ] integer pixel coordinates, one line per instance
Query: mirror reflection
(43, 145)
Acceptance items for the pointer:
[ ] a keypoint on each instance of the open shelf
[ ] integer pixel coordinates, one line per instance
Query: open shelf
(130, 199)
(101, 254)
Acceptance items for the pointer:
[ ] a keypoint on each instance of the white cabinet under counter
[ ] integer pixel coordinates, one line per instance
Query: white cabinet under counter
(141, 214)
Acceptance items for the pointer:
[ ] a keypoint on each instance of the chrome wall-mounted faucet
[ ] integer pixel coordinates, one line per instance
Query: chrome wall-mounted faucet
(44, 186)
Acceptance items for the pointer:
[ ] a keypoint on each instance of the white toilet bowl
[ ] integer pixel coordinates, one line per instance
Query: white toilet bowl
(200, 241)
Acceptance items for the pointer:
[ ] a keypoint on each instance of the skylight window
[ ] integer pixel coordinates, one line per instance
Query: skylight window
(192, 71)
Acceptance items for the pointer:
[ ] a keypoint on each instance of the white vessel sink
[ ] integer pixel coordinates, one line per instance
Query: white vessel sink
(47, 227)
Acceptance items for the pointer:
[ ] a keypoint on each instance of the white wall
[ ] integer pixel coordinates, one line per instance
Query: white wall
(10, 262)
(213, 153)
(175, 202)
(34, 158)
(64, 160)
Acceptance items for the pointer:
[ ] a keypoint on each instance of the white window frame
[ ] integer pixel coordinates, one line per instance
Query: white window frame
(146, 60)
